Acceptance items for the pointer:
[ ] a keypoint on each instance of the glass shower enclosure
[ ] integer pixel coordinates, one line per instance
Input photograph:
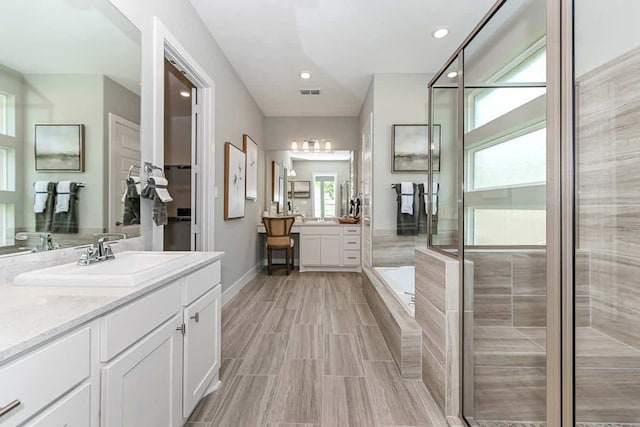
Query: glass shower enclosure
(541, 207)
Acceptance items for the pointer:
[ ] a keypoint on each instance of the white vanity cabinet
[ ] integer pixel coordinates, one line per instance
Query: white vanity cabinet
(145, 363)
(60, 366)
(141, 387)
(330, 248)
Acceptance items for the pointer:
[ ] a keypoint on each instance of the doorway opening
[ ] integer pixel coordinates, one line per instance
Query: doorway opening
(180, 155)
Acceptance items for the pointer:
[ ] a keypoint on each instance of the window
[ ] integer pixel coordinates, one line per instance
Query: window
(324, 196)
(489, 104)
(509, 227)
(7, 114)
(514, 161)
(7, 227)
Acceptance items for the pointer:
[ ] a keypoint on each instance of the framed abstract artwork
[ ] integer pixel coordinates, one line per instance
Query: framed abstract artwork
(234, 181)
(250, 149)
(411, 148)
(59, 147)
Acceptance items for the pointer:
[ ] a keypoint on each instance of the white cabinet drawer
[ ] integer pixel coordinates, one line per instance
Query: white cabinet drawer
(127, 325)
(73, 410)
(351, 243)
(350, 231)
(320, 230)
(41, 377)
(351, 258)
(200, 281)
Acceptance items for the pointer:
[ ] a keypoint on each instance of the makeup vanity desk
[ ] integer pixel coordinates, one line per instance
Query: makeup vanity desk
(323, 246)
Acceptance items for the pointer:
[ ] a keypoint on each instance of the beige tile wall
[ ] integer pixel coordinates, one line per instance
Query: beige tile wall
(608, 202)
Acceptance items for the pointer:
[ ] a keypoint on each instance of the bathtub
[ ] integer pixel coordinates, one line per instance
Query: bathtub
(402, 281)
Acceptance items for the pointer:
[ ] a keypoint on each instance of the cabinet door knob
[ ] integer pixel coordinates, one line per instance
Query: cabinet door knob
(196, 317)
(4, 410)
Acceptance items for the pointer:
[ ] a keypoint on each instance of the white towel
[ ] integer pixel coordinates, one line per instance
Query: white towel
(63, 197)
(42, 195)
(434, 197)
(406, 191)
(163, 193)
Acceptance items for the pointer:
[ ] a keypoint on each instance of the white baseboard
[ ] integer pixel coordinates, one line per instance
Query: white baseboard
(239, 284)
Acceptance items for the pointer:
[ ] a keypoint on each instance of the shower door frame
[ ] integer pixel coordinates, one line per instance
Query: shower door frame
(560, 405)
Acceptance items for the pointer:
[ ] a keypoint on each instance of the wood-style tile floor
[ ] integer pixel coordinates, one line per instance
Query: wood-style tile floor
(305, 350)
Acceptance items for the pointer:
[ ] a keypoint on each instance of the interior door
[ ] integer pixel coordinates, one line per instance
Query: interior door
(124, 149)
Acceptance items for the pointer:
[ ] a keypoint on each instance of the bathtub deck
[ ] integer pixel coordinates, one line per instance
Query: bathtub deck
(305, 349)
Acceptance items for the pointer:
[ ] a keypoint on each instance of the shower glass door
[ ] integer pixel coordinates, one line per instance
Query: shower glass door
(504, 226)
(607, 213)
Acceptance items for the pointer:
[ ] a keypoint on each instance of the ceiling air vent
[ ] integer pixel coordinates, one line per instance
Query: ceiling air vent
(309, 91)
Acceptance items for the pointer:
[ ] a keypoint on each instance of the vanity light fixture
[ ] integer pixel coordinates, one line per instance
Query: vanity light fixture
(305, 145)
(440, 32)
(305, 75)
(294, 145)
(452, 74)
(185, 93)
(292, 173)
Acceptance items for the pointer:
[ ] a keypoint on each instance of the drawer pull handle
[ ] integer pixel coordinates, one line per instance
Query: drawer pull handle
(10, 407)
(196, 317)
(352, 257)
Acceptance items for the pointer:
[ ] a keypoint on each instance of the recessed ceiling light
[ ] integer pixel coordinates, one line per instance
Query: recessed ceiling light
(440, 32)
(452, 74)
(305, 75)
(185, 93)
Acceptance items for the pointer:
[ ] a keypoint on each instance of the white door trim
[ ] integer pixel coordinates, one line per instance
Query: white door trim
(165, 45)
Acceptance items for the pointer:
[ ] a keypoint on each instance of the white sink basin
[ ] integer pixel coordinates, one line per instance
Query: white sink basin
(127, 270)
(327, 222)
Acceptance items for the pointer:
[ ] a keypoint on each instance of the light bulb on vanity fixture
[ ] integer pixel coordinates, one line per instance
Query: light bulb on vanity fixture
(316, 146)
(305, 145)
(327, 145)
(294, 145)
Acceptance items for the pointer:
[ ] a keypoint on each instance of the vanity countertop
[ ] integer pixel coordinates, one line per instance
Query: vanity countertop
(31, 315)
(299, 224)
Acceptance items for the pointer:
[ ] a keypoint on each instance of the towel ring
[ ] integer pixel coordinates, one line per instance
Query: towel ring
(150, 167)
(132, 167)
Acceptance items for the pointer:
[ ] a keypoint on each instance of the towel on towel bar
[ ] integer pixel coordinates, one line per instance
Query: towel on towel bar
(406, 191)
(63, 197)
(156, 190)
(434, 197)
(40, 203)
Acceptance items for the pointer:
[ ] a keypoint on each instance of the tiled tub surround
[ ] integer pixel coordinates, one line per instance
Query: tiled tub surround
(391, 250)
(437, 312)
(401, 331)
(608, 206)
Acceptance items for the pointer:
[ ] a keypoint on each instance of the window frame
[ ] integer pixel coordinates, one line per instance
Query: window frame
(332, 175)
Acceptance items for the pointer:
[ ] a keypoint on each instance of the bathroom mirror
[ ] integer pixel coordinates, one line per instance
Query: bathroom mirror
(69, 112)
(319, 184)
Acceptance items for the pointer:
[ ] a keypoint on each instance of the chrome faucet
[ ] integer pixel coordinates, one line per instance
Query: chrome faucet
(46, 241)
(100, 250)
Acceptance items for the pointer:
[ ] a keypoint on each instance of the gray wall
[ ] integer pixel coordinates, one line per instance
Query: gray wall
(236, 113)
(342, 131)
(398, 99)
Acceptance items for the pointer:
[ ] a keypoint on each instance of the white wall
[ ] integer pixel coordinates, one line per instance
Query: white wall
(73, 99)
(236, 113)
(595, 44)
(342, 131)
(397, 99)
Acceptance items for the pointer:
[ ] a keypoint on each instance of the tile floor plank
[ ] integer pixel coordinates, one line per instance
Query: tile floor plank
(265, 355)
(306, 342)
(346, 402)
(210, 405)
(298, 398)
(279, 321)
(372, 344)
(342, 356)
(247, 401)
